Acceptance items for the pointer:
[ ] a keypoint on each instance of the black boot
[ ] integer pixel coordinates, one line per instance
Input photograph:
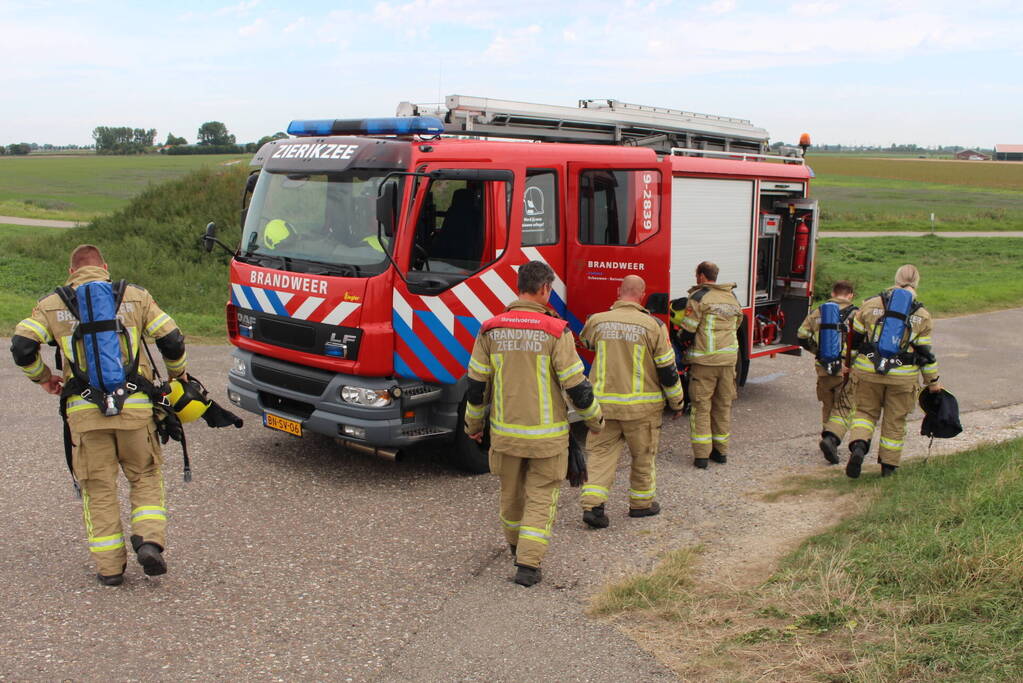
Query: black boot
(150, 556)
(513, 548)
(655, 508)
(527, 576)
(596, 517)
(888, 470)
(700, 463)
(115, 580)
(718, 457)
(829, 447)
(857, 451)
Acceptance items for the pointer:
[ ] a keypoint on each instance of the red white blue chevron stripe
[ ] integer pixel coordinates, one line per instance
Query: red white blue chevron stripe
(434, 335)
(291, 305)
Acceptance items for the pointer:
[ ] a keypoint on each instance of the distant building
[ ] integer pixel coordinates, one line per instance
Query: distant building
(972, 155)
(1008, 152)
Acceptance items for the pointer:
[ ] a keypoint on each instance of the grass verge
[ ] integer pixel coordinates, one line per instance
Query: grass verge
(154, 242)
(926, 583)
(962, 275)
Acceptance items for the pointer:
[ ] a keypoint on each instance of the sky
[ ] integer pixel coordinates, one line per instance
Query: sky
(930, 72)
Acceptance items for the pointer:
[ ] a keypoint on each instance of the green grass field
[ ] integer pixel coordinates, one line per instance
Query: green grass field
(87, 186)
(925, 584)
(153, 241)
(859, 193)
(957, 275)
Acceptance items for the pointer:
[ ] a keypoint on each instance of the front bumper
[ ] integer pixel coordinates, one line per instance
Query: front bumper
(312, 397)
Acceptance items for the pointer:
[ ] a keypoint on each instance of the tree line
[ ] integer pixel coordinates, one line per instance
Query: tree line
(212, 137)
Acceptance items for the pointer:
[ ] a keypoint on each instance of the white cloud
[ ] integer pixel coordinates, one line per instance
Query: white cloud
(719, 7)
(239, 9)
(255, 28)
(518, 45)
(299, 23)
(814, 9)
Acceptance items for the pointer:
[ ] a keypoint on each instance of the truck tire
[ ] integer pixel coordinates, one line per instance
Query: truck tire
(467, 455)
(742, 359)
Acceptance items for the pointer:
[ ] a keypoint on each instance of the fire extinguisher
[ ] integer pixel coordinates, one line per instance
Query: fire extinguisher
(800, 247)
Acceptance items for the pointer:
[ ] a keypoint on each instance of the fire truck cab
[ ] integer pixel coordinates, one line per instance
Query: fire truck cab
(373, 250)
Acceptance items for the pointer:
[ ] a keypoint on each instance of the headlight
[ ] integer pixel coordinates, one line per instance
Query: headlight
(239, 366)
(361, 396)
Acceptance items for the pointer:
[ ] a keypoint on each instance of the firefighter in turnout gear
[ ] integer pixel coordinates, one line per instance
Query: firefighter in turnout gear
(522, 364)
(835, 390)
(632, 375)
(711, 320)
(892, 343)
(103, 444)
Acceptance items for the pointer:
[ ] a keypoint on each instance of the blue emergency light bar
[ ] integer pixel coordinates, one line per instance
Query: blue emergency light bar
(397, 125)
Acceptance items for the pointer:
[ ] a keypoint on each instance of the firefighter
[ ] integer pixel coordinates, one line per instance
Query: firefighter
(834, 389)
(103, 444)
(710, 322)
(522, 363)
(887, 378)
(632, 375)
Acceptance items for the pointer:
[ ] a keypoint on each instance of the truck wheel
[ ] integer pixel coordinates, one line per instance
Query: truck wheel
(466, 454)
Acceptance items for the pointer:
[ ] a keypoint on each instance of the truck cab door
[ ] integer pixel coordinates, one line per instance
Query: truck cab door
(618, 225)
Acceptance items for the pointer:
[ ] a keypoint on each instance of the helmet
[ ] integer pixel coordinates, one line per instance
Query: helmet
(188, 400)
(275, 232)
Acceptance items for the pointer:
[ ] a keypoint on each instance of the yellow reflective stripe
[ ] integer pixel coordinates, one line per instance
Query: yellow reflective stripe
(77, 403)
(531, 533)
(638, 354)
(726, 349)
(689, 323)
(863, 424)
(175, 365)
(552, 511)
(529, 431)
(709, 332)
(35, 369)
(891, 444)
(137, 401)
(665, 359)
(101, 544)
(839, 420)
(497, 361)
(509, 524)
(40, 330)
(700, 438)
(543, 386)
(157, 324)
(575, 368)
(674, 390)
(474, 411)
(720, 437)
(601, 362)
(479, 367)
(148, 512)
(642, 495)
(858, 326)
(597, 491)
(922, 341)
(590, 411)
(627, 399)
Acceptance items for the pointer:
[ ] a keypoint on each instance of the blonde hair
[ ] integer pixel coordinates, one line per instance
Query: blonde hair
(907, 276)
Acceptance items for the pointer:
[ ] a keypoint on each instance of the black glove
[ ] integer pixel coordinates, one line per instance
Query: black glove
(169, 428)
(577, 474)
(216, 416)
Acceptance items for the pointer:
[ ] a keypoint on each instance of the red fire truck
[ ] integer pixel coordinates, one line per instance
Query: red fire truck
(372, 250)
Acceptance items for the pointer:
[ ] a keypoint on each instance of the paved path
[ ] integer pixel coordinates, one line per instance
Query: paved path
(939, 233)
(39, 222)
(290, 559)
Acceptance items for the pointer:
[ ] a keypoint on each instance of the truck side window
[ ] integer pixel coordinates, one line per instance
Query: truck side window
(540, 210)
(618, 207)
(457, 232)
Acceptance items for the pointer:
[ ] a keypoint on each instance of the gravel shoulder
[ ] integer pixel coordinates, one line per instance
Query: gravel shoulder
(291, 559)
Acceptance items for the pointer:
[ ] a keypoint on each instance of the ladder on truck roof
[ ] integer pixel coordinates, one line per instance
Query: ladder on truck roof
(607, 122)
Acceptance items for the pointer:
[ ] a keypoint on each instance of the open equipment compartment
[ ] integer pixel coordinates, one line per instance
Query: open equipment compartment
(783, 275)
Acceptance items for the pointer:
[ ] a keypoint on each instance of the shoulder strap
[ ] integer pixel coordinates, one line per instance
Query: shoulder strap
(69, 299)
(699, 294)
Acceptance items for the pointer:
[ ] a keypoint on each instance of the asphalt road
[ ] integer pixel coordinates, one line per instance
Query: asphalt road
(291, 559)
(38, 222)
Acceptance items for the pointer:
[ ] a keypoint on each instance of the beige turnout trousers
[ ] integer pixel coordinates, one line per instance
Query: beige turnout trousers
(836, 413)
(892, 403)
(642, 436)
(97, 457)
(529, 501)
(711, 391)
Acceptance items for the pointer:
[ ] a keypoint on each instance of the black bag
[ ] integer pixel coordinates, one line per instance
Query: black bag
(941, 414)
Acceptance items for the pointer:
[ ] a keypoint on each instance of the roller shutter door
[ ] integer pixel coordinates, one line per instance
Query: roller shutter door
(711, 220)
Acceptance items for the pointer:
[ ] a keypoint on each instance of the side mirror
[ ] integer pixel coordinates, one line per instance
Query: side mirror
(210, 237)
(387, 207)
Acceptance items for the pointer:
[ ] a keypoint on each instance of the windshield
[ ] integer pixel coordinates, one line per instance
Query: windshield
(320, 222)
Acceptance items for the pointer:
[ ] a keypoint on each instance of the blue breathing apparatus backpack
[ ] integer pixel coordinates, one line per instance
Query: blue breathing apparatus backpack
(889, 349)
(832, 328)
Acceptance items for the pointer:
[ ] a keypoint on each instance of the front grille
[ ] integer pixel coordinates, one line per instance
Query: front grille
(289, 380)
(285, 405)
(294, 335)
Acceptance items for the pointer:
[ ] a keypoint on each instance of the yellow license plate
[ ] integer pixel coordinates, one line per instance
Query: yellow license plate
(282, 424)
